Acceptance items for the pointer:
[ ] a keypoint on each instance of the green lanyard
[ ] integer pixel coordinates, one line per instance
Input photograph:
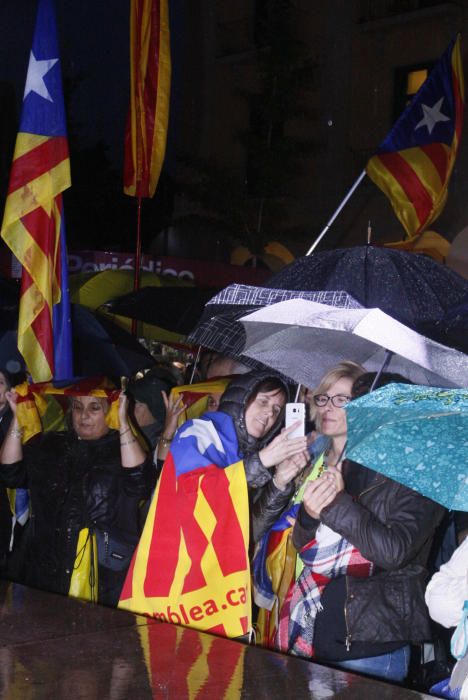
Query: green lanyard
(314, 474)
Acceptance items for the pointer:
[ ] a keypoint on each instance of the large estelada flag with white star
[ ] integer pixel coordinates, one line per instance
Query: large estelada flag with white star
(33, 222)
(191, 566)
(412, 166)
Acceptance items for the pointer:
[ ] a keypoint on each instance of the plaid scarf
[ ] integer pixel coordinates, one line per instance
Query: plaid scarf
(326, 557)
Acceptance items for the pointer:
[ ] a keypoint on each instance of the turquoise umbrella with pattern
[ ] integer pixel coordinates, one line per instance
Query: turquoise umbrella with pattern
(416, 435)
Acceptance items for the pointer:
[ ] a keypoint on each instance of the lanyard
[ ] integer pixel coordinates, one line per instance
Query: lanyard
(459, 643)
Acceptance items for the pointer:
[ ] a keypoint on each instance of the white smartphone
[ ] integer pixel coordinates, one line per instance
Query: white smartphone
(295, 412)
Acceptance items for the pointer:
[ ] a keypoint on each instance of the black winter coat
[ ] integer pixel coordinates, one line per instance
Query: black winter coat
(393, 527)
(73, 484)
(267, 502)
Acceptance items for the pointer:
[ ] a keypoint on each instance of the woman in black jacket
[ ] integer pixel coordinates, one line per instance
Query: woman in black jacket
(88, 477)
(372, 607)
(255, 401)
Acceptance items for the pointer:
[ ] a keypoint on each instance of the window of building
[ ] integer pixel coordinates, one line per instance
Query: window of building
(381, 9)
(408, 80)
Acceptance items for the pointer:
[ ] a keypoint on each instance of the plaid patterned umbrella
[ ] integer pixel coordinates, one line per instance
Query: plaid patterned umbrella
(220, 329)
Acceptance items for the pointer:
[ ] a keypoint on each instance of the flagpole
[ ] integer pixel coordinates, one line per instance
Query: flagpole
(136, 277)
(336, 212)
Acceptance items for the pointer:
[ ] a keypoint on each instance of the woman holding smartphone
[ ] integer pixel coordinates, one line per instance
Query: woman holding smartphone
(274, 578)
(363, 540)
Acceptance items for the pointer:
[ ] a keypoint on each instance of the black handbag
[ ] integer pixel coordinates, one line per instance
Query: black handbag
(114, 551)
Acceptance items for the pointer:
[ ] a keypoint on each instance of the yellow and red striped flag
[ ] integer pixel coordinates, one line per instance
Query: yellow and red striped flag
(33, 223)
(43, 407)
(414, 163)
(195, 397)
(150, 78)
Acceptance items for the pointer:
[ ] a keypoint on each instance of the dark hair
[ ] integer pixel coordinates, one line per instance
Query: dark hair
(363, 384)
(267, 385)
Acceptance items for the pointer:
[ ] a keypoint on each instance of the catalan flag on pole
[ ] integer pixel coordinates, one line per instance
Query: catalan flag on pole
(150, 78)
(33, 222)
(412, 166)
(191, 567)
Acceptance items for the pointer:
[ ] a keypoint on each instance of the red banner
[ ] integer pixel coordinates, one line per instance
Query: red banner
(203, 273)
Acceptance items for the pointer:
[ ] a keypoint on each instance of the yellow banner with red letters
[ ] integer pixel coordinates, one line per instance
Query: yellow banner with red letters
(191, 566)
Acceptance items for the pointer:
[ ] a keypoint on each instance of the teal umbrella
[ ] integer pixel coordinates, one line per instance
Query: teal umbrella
(416, 435)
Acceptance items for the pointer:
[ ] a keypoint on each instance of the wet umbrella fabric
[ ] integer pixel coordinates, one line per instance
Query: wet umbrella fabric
(175, 309)
(452, 329)
(99, 347)
(102, 348)
(412, 288)
(220, 329)
(302, 340)
(415, 435)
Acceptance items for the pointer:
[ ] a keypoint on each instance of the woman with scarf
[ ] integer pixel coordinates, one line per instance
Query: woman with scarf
(364, 541)
(276, 563)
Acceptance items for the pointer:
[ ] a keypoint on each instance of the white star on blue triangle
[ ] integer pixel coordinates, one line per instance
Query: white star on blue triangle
(37, 70)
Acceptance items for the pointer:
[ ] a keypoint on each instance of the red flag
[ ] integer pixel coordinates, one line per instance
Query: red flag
(150, 77)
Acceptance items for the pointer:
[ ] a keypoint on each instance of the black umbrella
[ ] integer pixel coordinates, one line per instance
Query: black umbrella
(175, 309)
(99, 347)
(452, 329)
(220, 329)
(412, 288)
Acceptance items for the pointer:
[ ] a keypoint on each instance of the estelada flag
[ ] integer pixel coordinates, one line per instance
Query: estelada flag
(412, 166)
(33, 221)
(150, 80)
(191, 566)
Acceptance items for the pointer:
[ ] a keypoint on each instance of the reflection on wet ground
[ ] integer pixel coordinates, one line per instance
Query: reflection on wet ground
(59, 648)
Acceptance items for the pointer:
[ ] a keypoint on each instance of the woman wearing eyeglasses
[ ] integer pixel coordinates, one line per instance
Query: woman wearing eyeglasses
(363, 540)
(276, 563)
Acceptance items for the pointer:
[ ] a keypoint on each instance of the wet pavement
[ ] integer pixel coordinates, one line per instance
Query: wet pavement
(58, 648)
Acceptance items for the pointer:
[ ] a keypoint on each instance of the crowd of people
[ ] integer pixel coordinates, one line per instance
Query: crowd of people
(339, 553)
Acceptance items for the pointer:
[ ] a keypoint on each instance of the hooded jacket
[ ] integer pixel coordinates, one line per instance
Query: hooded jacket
(267, 501)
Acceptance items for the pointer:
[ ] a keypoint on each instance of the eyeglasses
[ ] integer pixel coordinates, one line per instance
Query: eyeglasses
(339, 400)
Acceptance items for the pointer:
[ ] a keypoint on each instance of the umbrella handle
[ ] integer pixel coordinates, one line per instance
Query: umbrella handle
(385, 363)
(195, 364)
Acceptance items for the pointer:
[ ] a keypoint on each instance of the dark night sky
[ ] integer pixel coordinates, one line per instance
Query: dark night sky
(93, 36)
(94, 47)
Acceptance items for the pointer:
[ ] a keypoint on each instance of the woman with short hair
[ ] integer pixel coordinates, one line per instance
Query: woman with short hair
(364, 541)
(274, 576)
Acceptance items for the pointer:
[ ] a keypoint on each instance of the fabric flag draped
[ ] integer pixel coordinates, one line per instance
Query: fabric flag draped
(43, 407)
(150, 77)
(33, 223)
(413, 164)
(191, 566)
